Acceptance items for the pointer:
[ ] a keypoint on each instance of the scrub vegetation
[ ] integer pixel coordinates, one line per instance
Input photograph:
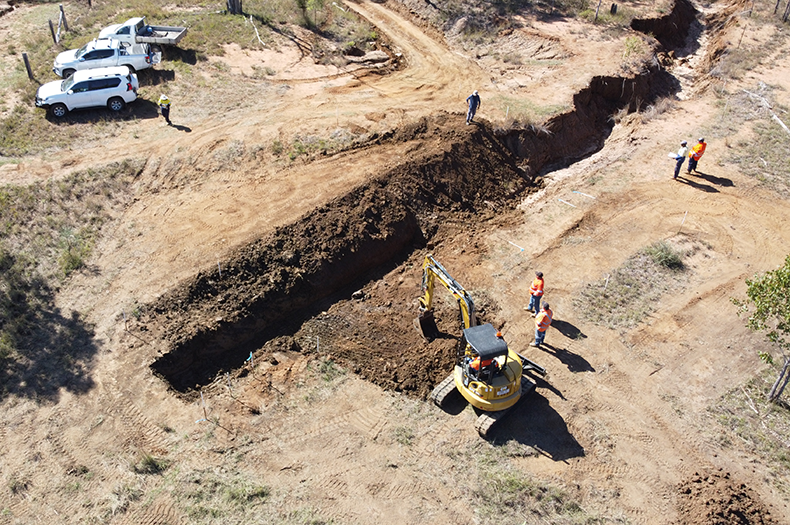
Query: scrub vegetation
(47, 230)
(625, 297)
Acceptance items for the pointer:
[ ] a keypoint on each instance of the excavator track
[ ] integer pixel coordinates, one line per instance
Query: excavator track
(443, 390)
(488, 420)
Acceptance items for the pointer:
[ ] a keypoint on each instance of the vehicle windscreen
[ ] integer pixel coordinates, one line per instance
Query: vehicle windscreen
(139, 27)
(81, 51)
(66, 84)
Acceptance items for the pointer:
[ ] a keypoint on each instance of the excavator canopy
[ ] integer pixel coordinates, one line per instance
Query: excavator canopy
(484, 341)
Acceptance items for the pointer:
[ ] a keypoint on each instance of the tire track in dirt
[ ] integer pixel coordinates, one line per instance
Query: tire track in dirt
(137, 433)
(160, 512)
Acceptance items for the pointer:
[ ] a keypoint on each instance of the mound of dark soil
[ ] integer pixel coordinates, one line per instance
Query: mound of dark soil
(212, 322)
(715, 499)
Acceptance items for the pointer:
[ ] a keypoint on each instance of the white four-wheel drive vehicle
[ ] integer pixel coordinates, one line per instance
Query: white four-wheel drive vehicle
(106, 53)
(110, 87)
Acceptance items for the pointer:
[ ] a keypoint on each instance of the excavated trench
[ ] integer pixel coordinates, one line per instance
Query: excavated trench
(270, 287)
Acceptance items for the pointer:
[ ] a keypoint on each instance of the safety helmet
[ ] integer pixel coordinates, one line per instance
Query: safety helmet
(701, 139)
(475, 93)
(683, 143)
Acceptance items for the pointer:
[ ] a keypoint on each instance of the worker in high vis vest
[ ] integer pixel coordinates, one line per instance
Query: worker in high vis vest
(536, 293)
(695, 154)
(164, 107)
(476, 363)
(542, 323)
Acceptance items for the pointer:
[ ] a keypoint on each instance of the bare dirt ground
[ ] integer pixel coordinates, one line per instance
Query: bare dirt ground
(620, 423)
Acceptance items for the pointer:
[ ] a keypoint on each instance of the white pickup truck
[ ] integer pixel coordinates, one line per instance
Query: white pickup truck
(106, 53)
(136, 31)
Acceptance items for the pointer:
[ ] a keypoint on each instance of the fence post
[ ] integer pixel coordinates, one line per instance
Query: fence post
(27, 66)
(52, 30)
(63, 16)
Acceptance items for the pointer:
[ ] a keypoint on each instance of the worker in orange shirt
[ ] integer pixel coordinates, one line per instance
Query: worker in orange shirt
(542, 323)
(476, 364)
(536, 293)
(695, 154)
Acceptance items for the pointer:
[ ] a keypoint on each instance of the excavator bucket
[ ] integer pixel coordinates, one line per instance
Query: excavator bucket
(426, 325)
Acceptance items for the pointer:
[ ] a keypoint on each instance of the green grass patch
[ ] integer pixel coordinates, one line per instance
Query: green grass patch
(149, 464)
(629, 294)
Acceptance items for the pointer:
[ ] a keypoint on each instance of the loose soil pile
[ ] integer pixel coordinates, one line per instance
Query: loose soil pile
(212, 322)
(715, 499)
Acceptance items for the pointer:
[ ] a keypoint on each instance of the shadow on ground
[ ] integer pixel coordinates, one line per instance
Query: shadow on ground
(567, 329)
(139, 109)
(718, 181)
(574, 362)
(704, 187)
(535, 423)
(56, 352)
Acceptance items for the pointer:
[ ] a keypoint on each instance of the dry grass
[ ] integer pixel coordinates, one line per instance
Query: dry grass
(764, 154)
(47, 231)
(501, 493)
(751, 423)
(623, 298)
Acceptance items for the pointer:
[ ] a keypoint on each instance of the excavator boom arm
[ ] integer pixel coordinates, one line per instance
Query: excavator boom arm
(432, 270)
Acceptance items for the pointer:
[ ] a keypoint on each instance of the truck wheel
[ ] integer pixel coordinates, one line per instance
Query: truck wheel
(68, 72)
(58, 110)
(131, 69)
(116, 104)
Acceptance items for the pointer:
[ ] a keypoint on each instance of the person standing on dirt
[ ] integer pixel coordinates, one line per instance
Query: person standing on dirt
(164, 107)
(542, 323)
(681, 157)
(696, 154)
(474, 104)
(536, 294)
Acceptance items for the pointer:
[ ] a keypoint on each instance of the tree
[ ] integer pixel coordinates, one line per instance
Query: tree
(315, 5)
(235, 7)
(768, 307)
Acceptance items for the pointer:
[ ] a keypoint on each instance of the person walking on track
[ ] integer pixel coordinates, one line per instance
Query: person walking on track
(542, 323)
(474, 104)
(696, 154)
(536, 294)
(164, 107)
(681, 157)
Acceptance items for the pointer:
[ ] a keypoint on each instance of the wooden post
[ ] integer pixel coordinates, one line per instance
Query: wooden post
(596, 11)
(52, 30)
(27, 66)
(90, 3)
(63, 16)
(787, 11)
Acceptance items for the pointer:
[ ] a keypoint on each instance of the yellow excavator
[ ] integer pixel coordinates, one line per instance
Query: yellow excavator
(488, 374)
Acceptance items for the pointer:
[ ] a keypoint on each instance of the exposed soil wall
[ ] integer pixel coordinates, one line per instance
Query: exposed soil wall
(670, 30)
(210, 323)
(583, 130)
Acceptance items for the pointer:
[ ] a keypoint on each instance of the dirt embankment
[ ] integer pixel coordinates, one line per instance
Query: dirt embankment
(267, 288)
(211, 322)
(583, 130)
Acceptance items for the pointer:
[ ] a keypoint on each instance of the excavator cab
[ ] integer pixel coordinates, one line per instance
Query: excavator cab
(488, 374)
